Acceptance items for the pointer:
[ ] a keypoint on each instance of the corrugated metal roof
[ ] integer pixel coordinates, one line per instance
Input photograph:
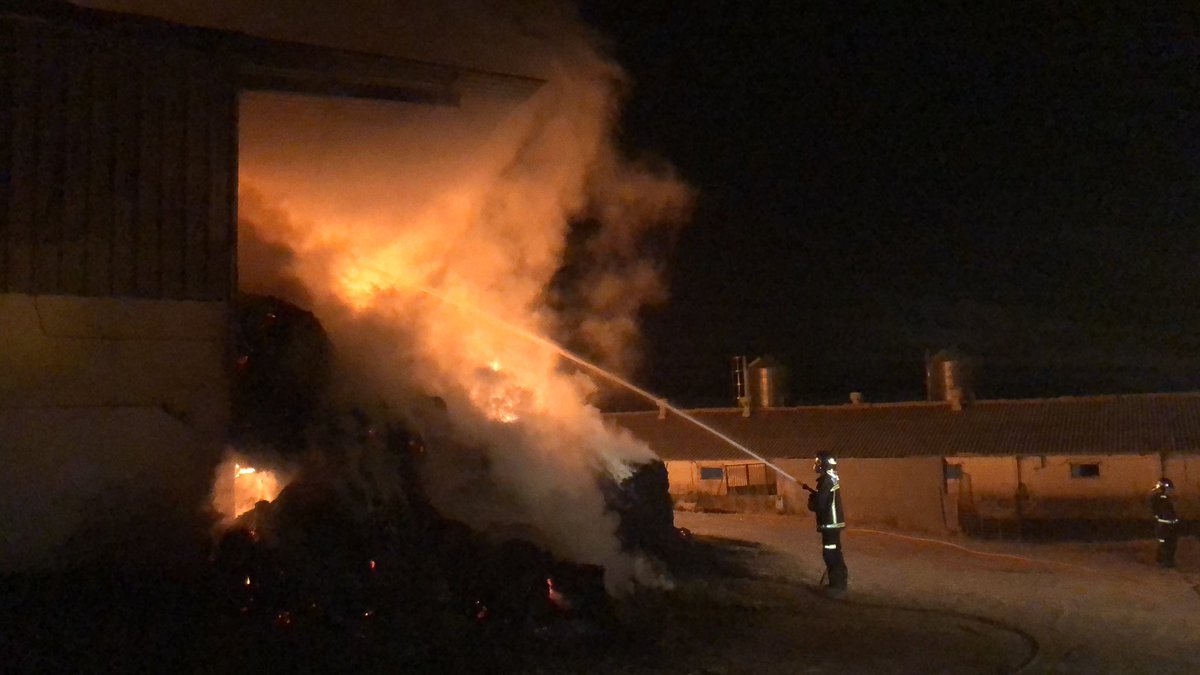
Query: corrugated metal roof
(1100, 425)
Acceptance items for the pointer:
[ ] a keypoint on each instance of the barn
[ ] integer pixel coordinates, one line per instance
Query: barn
(118, 249)
(1071, 465)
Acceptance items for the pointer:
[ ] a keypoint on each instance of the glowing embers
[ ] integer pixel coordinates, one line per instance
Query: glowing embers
(238, 487)
(555, 597)
(497, 396)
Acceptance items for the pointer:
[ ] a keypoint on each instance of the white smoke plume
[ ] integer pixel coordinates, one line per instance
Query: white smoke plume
(422, 236)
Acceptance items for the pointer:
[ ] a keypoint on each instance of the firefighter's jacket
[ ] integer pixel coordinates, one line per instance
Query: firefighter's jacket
(826, 502)
(1163, 509)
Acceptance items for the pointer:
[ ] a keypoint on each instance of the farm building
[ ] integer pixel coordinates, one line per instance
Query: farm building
(987, 466)
(118, 241)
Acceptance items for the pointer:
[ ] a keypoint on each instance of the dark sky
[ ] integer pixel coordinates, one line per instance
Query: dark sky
(878, 182)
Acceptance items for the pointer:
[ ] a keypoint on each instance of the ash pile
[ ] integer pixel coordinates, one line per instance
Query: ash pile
(352, 567)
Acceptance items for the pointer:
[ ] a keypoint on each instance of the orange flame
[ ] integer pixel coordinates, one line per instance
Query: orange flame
(238, 487)
(427, 245)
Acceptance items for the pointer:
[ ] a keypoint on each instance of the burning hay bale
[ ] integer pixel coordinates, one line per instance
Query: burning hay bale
(327, 532)
(643, 504)
(281, 372)
(328, 556)
(353, 547)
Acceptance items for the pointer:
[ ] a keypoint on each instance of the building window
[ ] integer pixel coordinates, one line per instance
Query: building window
(1085, 471)
(712, 473)
(749, 479)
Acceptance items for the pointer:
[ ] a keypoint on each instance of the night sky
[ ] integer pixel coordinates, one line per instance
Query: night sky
(876, 183)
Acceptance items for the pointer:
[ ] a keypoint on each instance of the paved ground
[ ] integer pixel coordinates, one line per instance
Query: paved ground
(744, 600)
(1087, 607)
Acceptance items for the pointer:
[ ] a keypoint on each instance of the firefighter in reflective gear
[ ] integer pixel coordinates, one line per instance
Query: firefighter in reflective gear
(825, 501)
(1166, 522)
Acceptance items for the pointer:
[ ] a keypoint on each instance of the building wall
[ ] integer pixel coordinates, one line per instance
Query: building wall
(903, 493)
(687, 485)
(913, 493)
(989, 488)
(687, 477)
(684, 478)
(1118, 492)
(1184, 471)
(120, 150)
(906, 493)
(107, 406)
(118, 142)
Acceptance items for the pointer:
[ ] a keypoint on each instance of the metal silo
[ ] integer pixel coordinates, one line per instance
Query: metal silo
(767, 380)
(949, 377)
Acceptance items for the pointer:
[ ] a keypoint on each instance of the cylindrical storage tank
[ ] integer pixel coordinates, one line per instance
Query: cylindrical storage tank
(768, 382)
(949, 377)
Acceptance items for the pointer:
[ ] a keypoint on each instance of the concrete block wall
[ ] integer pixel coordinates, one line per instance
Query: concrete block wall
(111, 410)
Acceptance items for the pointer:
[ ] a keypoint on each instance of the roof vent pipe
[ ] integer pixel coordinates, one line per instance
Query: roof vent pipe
(738, 376)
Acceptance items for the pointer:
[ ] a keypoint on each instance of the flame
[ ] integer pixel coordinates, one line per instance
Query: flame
(238, 487)
(499, 403)
(497, 394)
(427, 243)
(555, 596)
(360, 285)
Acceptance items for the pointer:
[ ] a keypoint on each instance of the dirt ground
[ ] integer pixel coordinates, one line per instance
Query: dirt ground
(924, 605)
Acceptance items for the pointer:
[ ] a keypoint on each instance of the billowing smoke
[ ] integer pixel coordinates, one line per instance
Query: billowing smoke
(429, 241)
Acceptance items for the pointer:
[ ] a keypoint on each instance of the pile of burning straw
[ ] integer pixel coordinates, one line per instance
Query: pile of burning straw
(343, 543)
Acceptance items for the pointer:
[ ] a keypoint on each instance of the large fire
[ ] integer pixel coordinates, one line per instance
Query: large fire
(238, 487)
(498, 397)
(429, 243)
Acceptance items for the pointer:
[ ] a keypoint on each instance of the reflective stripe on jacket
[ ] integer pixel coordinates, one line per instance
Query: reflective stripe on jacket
(1163, 509)
(826, 502)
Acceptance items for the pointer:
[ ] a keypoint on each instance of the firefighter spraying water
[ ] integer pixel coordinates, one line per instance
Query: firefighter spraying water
(612, 377)
(825, 501)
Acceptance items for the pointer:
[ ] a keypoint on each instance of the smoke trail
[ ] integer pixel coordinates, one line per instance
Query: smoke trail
(346, 204)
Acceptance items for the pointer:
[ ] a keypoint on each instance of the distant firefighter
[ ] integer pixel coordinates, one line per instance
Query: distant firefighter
(1166, 522)
(826, 503)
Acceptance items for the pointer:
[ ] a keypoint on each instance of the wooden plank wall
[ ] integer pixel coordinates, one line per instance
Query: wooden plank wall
(120, 159)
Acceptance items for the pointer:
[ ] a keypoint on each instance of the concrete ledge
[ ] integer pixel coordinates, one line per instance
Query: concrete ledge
(61, 316)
